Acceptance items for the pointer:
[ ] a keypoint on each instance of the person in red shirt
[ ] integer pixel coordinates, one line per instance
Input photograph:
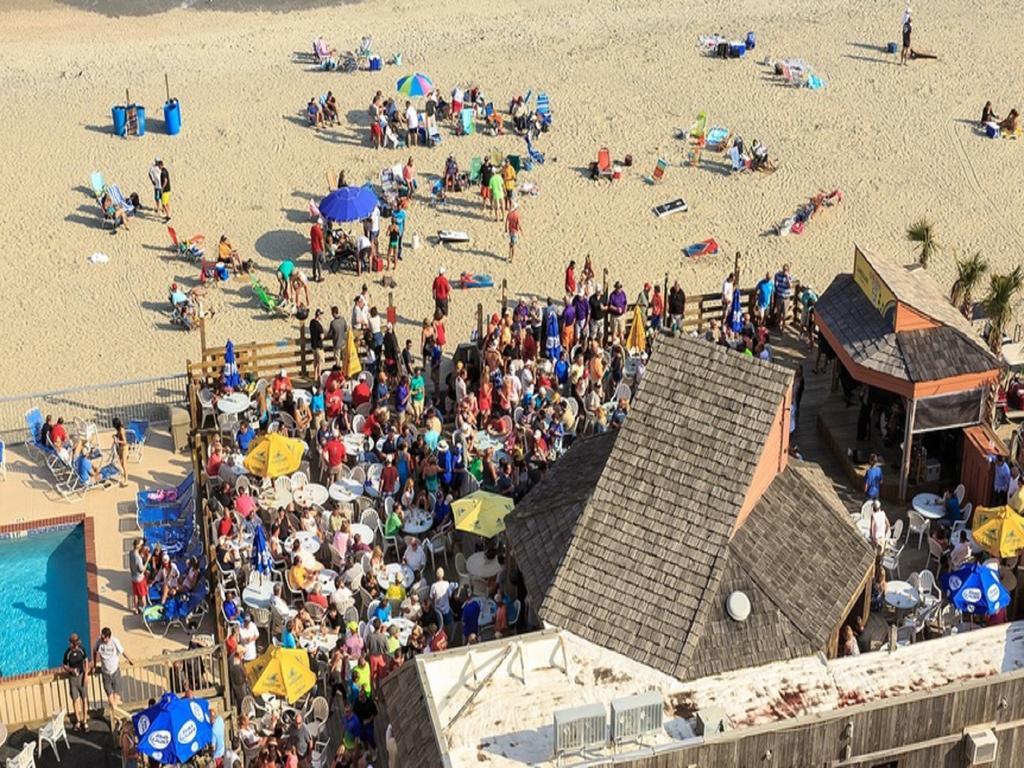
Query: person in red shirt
(360, 393)
(570, 278)
(334, 456)
(316, 596)
(58, 434)
(316, 247)
(514, 227)
(441, 289)
(657, 309)
(335, 378)
(282, 383)
(213, 464)
(389, 478)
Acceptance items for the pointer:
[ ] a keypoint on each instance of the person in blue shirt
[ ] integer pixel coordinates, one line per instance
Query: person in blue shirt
(87, 473)
(316, 400)
(287, 637)
(383, 611)
(470, 619)
(951, 505)
(442, 510)
(873, 478)
(246, 434)
(1001, 483)
(217, 732)
(765, 293)
(400, 217)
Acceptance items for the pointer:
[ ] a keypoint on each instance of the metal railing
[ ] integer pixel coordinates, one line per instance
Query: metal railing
(99, 403)
(31, 699)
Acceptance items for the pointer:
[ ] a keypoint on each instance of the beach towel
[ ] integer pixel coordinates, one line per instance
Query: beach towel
(452, 236)
(718, 138)
(467, 280)
(675, 206)
(704, 248)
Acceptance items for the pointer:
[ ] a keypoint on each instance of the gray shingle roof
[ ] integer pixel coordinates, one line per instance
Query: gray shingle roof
(660, 517)
(542, 523)
(404, 703)
(937, 353)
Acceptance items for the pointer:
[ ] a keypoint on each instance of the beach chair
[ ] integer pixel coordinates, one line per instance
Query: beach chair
(34, 425)
(535, 155)
(698, 131)
(475, 166)
(515, 161)
(604, 162)
(364, 51)
(136, 433)
(718, 139)
(323, 52)
(97, 184)
(467, 123)
(494, 122)
(267, 300)
(190, 247)
(543, 108)
(119, 199)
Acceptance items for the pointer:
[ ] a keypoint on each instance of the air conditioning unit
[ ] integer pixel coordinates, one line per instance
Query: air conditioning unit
(580, 728)
(712, 720)
(633, 716)
(980, 747)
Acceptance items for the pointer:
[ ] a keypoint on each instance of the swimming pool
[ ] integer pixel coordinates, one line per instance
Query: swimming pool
(43, 596)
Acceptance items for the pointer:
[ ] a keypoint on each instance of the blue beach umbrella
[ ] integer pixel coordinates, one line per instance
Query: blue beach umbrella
(173, 730)
(231, 377)
(976, 589)
(261, 559)
(736, 312)
(349, 204)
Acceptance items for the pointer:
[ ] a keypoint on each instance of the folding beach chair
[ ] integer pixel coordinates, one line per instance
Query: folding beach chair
(475, 166)
(544, 108)
(467, 122)
(718, 139)
(515, 161)
(604, 162)
(136, 434)
(659, 170)
(535, 155)
(188, 247)
(97, 184)
(119, 199)
(699, 128)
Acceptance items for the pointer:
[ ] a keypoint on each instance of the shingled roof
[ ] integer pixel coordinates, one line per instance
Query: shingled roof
(542, 523)
(644, 556)
(404, 702)
(953, 348)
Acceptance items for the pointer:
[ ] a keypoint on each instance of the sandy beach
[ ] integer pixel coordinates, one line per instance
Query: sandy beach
(900, 142)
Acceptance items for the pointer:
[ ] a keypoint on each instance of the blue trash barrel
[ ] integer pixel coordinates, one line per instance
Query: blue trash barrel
(120, 119)
(751, 41)
(890, 48)
(172, 117)
(140, 114)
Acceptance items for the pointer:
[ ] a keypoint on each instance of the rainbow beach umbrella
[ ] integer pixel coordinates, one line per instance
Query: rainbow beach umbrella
(416, 84)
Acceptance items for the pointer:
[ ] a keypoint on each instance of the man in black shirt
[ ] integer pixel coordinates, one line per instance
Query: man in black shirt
(165, 190)
(366, 711)
(76, 665)
(597, 314)
(676, 306)
(316, 342)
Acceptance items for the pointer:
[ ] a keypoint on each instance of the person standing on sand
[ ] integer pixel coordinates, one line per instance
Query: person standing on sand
(441, 290)
(337, 331)
(316, 247)
(165, 190)
(513, 226)
(497, 186)
(154, 179)
(907, 30)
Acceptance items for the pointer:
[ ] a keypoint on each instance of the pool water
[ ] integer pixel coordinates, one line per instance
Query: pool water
(43, 597)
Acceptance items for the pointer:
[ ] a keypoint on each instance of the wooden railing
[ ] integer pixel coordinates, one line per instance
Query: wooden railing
(31, 699)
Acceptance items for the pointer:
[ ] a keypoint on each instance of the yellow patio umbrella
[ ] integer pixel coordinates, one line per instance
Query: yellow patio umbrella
(999, 530)
(281, 672)
(350, 364)
(637, 338)
(482, 513)
(273, 455)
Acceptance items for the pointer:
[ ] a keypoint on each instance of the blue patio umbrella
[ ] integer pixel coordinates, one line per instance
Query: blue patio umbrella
(349, 204)
(976, 589)
(231, 377)
(261, 559)
(736, 312)
(173, 730)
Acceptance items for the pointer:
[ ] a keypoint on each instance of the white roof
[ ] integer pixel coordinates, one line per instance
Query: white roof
(509, 722)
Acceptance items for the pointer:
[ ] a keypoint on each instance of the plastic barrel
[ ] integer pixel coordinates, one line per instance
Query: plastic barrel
(751, 41)
(172, 117)
(120, 115)
(890, 48)
(140, 113)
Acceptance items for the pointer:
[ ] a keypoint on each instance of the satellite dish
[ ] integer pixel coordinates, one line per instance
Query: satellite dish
(737, 605)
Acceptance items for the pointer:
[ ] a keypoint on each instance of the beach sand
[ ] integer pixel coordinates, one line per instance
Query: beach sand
(901, 143)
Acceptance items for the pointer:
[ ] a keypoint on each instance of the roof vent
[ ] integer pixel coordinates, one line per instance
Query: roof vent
(737, 605)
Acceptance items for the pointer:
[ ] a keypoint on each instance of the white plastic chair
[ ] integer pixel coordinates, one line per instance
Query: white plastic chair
(437, 545)
(929, 590)
(891, 560)
(934, 553)
(959, 493)
(299, 480)
(206, 406)
(866, 509)
(358, 475)
(370, 518)
(319, 711)
(894, 535)
(462, 569)
(51, 732)
(917, 523)
(283, 484)
(357, 424)
(24, 759)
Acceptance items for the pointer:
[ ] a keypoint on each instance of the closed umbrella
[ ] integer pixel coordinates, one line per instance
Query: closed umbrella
(274, 455)
(231, 377)
(261, 559)
(999, 530)
(414, 85)
(349, 204)
(173, 730)
(636, 341)
(975, 589)
(482, 513)
(350, 364)
(281, 672)
(736, 312)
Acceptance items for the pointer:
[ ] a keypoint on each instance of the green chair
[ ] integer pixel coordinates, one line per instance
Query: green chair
(475, 166)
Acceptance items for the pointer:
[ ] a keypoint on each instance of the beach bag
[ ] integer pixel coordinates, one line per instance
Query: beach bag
(134, 198)
(302, 313)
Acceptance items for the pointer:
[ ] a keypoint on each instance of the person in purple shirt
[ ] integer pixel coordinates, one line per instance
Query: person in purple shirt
(617, 302)
(582, 306)
(568, 323)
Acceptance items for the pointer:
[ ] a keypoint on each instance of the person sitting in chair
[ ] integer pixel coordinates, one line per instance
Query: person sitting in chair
(87, 472)
(1009, 125)
(759, 157)
(330, 108)
(313, 113)
(226, 254)
(115, 212)
(988, 115)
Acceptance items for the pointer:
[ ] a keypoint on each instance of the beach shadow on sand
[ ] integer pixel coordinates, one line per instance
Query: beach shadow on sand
(88, 216)
(280, 244)
(872, 59)
(116, 8)
(867, 46)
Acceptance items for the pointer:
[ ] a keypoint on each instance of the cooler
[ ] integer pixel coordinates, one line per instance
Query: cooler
(736, 50)
(172, 117)
(376, 64)
(120, 115)
(140, 114)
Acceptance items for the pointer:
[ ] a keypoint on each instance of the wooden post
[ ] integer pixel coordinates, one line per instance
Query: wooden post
(607, 291)
(736, 270)
(167, 87)
(480, 324)
(302, 350)
(202, 339)
(908, 441)
(664, 302)
(504, 296)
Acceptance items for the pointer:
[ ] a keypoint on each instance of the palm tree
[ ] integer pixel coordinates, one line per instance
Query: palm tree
(922, 233)
(968, 274)
(999, 304)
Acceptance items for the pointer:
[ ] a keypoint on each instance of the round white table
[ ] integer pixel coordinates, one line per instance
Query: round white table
(258, 595)
(326, 578)
(364, 531)
(323, 642)
(482, 567)
(310, 542)
(312, 495)
(301, 394)
(405, 628)
(929, 506)
(385, 577)
(417, 522)
(275, 498)
(353, 442)
(236, 402)
(901, 595)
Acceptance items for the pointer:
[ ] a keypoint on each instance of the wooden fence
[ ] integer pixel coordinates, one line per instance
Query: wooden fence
(31, 699)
